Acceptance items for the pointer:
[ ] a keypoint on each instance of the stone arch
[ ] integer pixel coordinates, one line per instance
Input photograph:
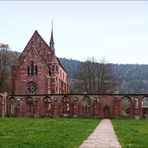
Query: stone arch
(30, 107)
(106, 111)
(66, 106)
(126, 106)
(86, 106)
(145, 107)
(145, 101)
(48, 107)
(12, 107)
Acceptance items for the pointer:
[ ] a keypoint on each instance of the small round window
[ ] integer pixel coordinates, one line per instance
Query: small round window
(32, 88)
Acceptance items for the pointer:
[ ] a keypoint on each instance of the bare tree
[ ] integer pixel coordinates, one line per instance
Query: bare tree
(93, 77)
(7, 59)
(106, 78)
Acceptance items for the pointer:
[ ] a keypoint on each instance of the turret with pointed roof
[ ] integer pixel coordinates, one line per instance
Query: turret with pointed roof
(51, 43)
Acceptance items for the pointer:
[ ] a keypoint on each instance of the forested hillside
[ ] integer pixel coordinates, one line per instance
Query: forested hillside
(132, 78)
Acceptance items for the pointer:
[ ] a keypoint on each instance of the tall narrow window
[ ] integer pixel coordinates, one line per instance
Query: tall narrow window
(36, 69)
(32, 68)
(28, 70)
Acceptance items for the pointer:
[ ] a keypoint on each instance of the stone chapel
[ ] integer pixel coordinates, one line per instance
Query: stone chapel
(38, 70)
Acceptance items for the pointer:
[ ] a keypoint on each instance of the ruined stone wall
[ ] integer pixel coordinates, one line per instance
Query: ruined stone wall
(82, 105)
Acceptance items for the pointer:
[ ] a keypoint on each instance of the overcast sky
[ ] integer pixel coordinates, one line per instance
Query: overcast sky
(114, 30)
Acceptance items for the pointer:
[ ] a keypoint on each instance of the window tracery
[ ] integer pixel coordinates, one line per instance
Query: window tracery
(32, 88)
(86, 102)
(32, 69)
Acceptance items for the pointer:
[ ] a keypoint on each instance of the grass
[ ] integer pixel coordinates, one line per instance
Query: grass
(132, 133)
(44, 133)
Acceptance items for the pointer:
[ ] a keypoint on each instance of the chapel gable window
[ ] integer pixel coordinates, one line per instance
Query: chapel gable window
(32, 69)
(28, 70)
(36, 69)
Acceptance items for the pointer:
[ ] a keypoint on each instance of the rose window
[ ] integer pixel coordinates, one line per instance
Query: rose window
(32, 88)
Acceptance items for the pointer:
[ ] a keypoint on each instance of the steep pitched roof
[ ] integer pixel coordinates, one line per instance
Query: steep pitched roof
(30, 45)
(39, 58)
(35, 34)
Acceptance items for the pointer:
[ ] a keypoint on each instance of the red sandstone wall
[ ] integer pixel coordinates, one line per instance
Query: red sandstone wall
(96, 108)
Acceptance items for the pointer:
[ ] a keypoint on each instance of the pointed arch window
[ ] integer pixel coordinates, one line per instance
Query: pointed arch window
(126, 105)
(86, 102)
(47, 107)
(66, 105)
(145, 102)
(36, 69)
(28, 70)
(32, 69)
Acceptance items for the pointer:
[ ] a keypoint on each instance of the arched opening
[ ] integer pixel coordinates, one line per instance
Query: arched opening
(106, 112)
(86, 102)
(48, 107)
(126, 106)
(145, 107)
(66, 102)
(12, 109)
(30, 107)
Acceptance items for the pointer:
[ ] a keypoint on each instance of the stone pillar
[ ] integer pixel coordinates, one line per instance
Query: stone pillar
(140, 106)
(136, 106)
(4, 105)
(36, 107)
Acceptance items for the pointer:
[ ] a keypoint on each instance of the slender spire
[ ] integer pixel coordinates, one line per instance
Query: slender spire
(51, 43)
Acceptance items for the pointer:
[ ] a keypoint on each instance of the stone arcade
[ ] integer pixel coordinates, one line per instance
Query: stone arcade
(82, 105)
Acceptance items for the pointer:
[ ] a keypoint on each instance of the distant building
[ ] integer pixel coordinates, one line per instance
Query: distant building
(38, 70)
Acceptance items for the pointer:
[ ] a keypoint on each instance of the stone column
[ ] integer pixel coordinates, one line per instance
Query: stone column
(4, 104)
(136, 106)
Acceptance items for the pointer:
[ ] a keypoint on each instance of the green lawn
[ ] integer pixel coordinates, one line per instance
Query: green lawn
(132, 133)
(44, 133)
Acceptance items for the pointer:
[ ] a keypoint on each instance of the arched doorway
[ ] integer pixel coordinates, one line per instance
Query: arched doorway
(106, 112)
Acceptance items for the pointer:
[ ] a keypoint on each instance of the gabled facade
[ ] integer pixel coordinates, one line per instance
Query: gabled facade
(38, 70)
